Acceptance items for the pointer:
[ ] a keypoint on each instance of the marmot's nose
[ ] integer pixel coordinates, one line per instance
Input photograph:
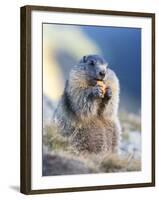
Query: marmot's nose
(102, 74)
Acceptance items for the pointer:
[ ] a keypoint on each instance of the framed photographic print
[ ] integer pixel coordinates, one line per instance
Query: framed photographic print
(87, 99)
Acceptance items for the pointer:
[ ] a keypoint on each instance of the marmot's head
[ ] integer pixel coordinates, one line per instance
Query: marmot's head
(90, 69)
(94, 66)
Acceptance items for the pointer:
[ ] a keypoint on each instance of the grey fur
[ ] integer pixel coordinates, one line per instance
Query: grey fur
(82, 114)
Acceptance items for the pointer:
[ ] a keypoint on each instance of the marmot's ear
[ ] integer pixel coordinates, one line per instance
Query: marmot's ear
(84, 59)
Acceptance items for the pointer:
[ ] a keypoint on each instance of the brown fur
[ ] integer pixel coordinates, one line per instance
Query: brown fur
(92, 125)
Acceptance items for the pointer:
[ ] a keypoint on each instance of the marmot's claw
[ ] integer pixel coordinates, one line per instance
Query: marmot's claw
(98, 92)
(108, 93)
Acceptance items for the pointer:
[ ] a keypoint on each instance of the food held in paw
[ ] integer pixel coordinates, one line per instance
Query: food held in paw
(103, 86)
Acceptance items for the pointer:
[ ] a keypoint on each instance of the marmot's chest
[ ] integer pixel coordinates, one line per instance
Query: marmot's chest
(93, 137)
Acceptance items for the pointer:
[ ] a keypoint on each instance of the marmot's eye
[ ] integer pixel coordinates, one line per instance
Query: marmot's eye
(92, 62)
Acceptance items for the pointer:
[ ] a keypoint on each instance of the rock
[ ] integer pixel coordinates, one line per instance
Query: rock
(133, 145)
(59, 165)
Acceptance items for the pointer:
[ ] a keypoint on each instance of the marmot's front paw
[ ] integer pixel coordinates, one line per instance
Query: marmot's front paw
(108, 93)
(98, 91)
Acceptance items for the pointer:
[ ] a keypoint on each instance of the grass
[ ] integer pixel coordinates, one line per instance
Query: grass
(56, 144)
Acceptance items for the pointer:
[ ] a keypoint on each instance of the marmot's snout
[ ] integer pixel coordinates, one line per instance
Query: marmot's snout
(101, 73)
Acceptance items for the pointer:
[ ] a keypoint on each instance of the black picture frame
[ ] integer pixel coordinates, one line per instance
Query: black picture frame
(25, 182)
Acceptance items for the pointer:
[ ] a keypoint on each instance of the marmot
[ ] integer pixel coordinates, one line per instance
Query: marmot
(88, 109)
